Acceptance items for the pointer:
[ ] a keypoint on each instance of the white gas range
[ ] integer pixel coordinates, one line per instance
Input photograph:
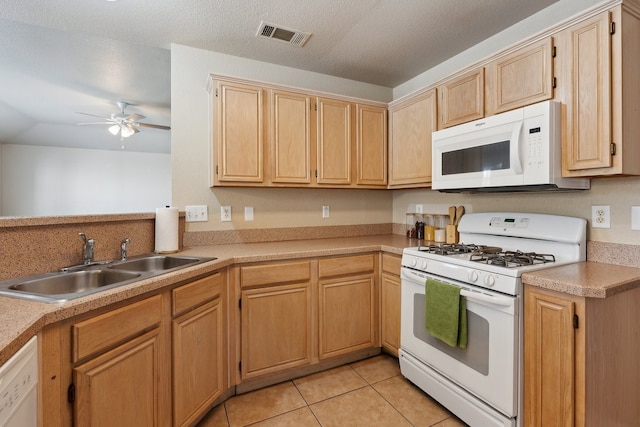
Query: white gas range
(481, 383)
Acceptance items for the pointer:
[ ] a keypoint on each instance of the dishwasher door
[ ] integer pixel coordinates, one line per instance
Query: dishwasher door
(18, 387)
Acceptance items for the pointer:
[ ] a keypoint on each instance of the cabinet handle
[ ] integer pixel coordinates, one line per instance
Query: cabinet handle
(612, 148)
(612, 28)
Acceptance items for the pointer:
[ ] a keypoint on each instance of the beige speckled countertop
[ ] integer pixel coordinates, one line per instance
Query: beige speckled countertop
(586, 279)
(21, 319)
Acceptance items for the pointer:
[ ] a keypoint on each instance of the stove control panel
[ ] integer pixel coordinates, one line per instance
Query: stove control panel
(509, 222)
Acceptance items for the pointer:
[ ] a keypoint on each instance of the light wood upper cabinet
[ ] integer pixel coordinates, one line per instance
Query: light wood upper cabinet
(371, 145)
(291, 141)
(600, 70)
(520, 78)
(411, 123)
(239, 137)
(273, 136)
(461, 100)
(334, 141)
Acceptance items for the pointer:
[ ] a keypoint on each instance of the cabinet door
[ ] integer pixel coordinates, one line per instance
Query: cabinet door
(121, 387)
(411, 125)
(588, 75)
(347, 315)
(276, 329)
(239, 136)
(390, 303)
(549, 360)
(334, 141)
(198, 355)
(521, 78)
(461, 100)
(291, 141)
(371, 145)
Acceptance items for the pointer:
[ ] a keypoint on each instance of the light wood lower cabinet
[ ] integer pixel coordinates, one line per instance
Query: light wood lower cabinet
(275, 317)
(298, 314)
(199, 347)
(390, 303)
(581, 359)
(347, 304)
(120, 367)
(158, 361)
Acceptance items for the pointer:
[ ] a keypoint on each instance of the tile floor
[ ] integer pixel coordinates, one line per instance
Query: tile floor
(370, 392)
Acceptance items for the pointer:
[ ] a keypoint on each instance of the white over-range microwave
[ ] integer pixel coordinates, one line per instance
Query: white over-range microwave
(519, 150)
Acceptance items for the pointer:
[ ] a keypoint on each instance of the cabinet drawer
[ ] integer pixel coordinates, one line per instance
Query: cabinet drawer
(346, 265)
(102, 332)
(195, 293)
(391, 264)
(256, 275)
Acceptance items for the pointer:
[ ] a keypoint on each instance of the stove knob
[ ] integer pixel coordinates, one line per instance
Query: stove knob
(473, 276)
(423, 264)
(489, 280)
(413, 262)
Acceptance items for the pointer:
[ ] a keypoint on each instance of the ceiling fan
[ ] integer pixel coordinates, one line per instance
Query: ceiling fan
(122, 123)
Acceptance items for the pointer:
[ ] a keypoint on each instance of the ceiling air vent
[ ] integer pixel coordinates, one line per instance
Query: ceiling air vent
(278, 32)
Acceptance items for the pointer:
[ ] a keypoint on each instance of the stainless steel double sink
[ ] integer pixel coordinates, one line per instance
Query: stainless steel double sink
(82, 280)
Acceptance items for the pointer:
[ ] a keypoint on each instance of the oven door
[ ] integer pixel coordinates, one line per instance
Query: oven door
(488, 367)
(484, 153)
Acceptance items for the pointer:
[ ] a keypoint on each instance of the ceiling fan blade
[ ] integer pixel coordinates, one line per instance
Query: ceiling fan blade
(134, 117)
(150, 125)
(92, 115)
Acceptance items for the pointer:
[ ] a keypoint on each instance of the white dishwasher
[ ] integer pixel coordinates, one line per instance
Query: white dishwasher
(18, 387)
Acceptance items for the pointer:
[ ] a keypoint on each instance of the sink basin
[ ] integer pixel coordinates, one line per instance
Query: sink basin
(155, 263)
(60, 286)
(78, 281)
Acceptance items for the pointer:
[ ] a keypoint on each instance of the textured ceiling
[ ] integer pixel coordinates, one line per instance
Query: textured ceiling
(59, 57)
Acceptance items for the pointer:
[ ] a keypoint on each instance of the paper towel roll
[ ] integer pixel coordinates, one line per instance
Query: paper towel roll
(166, 230)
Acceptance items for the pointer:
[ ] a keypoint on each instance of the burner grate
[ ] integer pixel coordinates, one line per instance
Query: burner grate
(511, 259)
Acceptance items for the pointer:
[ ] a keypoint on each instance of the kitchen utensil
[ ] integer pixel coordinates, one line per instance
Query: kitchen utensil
(452, 215)
(459, 213)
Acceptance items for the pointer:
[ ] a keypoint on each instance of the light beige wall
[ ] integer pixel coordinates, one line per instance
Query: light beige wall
(190, 143)
(619, 193)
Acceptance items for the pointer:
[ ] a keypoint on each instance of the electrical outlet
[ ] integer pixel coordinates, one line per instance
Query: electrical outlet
(419, 209)
(600, 216)
(225, 213)
(196, 213)
(325, 212)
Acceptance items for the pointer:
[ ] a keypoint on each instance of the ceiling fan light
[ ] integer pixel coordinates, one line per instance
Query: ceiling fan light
(127, 131)
(114, 129)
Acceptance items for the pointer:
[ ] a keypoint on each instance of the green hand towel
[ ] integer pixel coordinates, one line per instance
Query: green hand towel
(445, 313)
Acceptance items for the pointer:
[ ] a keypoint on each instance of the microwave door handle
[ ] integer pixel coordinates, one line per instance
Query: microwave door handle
(516, 148)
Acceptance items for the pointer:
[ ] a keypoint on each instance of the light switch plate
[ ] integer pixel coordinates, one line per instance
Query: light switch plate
(635, 217)
(248, 213)
(196, 213)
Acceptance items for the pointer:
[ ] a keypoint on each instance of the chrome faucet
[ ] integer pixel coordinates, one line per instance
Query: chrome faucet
(87, 249)
(123, 249)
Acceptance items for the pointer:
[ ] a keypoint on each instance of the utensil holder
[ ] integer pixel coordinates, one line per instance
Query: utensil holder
(452, 234)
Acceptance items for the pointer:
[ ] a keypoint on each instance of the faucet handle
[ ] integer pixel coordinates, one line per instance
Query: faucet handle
(123, 248)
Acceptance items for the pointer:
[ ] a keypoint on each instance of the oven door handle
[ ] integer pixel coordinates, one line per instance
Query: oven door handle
(495, 300)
